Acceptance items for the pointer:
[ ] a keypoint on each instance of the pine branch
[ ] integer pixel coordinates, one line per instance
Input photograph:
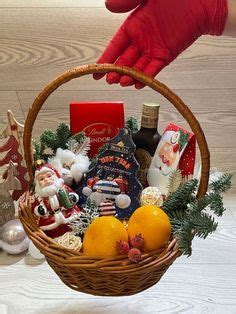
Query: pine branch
(223, 184)
(132, 124)
(184, 237)
(187, 215)
(62, 135)
(79, 137)
(180, 198)
(216, 204)
(202, 224)
(213, 200)
(39, 151)
(48, 139)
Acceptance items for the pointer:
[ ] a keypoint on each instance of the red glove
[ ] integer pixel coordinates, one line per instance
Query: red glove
(157, 31)
(122, 6)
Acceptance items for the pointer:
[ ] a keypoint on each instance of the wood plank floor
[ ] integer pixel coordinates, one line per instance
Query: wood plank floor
(40, 40)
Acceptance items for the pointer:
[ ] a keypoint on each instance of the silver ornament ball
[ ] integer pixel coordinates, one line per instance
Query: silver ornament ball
(13, 237)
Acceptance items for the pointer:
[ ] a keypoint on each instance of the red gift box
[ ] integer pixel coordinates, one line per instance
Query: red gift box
(99, 120)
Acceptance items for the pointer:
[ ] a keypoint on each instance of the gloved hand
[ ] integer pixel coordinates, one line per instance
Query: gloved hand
(122, 6)
(157, 31)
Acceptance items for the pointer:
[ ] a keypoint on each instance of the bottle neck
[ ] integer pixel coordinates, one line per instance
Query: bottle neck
(149, 122)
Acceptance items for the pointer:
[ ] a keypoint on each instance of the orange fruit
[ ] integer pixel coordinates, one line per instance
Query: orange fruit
(101, 236)
(153, 224)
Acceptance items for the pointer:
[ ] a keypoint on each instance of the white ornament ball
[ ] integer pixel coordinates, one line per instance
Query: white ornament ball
(123, 201)
(151, 196)
(34, 251)
(87, 191)
(13, 237)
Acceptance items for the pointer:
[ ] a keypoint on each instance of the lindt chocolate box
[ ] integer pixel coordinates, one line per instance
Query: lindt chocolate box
(99, 120)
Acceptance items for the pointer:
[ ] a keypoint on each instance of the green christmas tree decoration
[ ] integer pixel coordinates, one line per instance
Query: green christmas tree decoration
(132, 124)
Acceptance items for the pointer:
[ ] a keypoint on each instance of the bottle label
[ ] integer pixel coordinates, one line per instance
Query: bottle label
(149, 122)
(150, 113)
(144, 159)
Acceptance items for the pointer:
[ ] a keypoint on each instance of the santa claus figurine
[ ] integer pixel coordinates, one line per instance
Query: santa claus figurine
(53, 201)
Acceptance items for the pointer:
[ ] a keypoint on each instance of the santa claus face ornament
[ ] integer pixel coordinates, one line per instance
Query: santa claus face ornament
(176, 150)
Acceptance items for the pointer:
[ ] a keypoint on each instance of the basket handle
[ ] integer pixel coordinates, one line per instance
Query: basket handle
(137, 75)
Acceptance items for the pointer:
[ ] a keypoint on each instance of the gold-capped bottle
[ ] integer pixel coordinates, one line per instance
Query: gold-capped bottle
(146, 139)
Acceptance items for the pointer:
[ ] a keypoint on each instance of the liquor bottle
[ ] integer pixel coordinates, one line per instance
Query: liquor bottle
(146, 139)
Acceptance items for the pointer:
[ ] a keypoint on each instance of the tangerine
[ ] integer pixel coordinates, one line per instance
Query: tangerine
(101, 236)
(153, 224)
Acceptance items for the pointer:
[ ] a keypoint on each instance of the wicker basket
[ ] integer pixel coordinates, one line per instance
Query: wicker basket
(115, 276)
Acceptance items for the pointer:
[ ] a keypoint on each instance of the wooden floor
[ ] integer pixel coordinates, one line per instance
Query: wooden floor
(40, 40)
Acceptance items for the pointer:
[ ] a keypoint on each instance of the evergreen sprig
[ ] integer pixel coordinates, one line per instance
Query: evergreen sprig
(132, 124)
(223, 184)
(48, 139)
(187, 212)
(181, 197)
(202, 224)
(62, 135)
(184, 237)
(39, 149)
(54, 140)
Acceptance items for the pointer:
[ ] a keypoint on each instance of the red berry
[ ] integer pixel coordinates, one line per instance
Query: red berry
(134, 255)
(137, 241)
(122, 247)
